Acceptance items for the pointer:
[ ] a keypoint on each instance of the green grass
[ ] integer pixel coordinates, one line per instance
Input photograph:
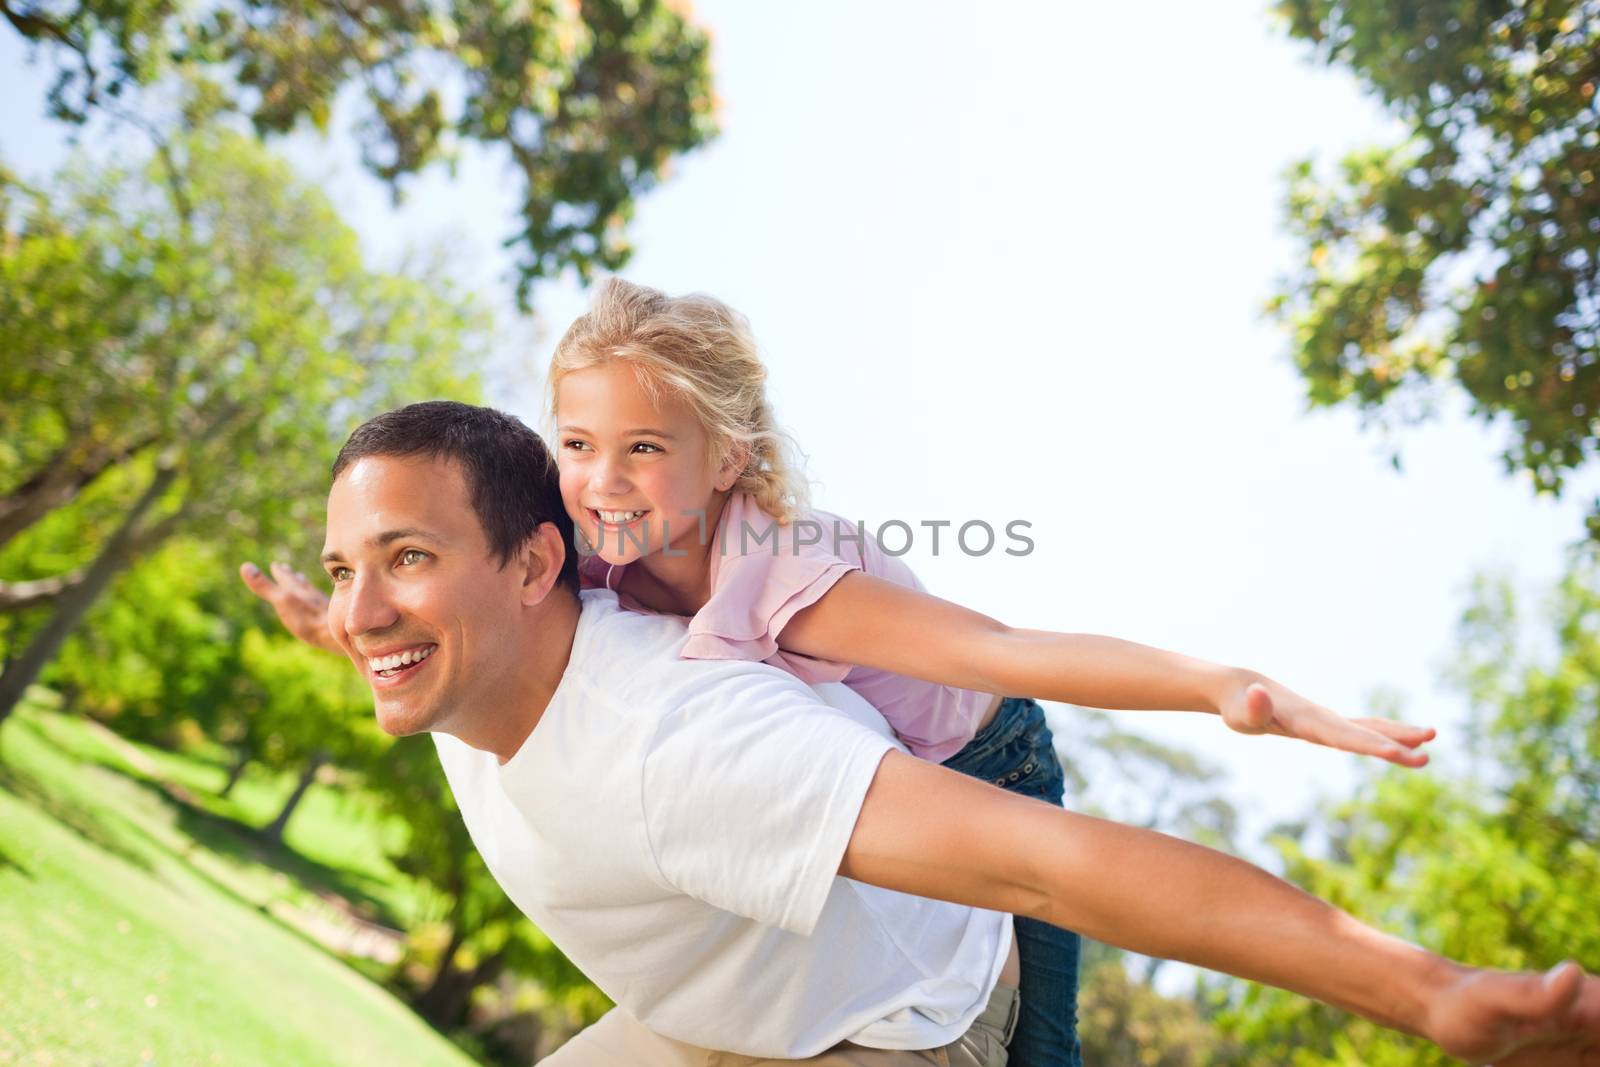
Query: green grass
(134, 927)
(337, 842)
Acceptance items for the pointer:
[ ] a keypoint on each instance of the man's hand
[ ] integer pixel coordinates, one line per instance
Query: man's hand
(1262, 706)
(1519, 1020)
(301, 606)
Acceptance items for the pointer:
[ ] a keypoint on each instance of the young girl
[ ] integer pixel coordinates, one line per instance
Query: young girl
(675, 474)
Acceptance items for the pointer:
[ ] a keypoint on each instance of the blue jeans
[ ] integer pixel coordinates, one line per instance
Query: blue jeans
(1016, 752)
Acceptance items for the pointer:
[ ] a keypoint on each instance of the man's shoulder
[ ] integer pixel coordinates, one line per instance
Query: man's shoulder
(604, 620)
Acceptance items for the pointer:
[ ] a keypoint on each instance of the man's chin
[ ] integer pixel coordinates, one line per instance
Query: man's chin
(402, 718)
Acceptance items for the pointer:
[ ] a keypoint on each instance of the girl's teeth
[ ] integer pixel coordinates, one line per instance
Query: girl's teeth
(617, 517)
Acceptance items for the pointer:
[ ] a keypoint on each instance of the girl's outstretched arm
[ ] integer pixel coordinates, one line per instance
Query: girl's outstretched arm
(875, 623)
(301, 606)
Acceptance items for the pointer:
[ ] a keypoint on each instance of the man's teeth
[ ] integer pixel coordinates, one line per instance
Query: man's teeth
(400, 659)
(617, 518)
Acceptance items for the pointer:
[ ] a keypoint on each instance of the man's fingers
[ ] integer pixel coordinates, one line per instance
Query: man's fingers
(1560, 988)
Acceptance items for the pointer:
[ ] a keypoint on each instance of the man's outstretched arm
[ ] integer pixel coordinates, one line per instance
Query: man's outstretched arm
(926, 830)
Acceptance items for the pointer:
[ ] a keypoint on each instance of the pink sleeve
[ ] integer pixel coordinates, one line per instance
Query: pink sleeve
(593, 572)
(755, 593)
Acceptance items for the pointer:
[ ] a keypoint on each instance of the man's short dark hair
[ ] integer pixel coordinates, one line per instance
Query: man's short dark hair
(511, 476)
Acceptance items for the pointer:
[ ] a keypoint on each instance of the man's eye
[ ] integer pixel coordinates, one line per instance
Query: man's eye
(339, 574)
(413, 555)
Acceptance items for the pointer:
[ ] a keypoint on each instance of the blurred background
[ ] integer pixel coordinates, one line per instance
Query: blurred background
(1277, 324)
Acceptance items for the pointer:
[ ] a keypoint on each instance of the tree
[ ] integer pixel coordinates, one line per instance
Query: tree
(486, 935)
(185, 344)
(1494, 866)
(1467, 256)
(1123, 1020)
(591, 99)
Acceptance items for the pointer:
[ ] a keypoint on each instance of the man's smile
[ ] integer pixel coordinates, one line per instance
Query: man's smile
(398, 664)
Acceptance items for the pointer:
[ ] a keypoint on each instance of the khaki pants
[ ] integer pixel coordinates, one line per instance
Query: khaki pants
(617, 1040)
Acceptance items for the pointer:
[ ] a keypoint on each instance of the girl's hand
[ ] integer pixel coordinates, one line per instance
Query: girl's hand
(1264, 707)
(301, 606)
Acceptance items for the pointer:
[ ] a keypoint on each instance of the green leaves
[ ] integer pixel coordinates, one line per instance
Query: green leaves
(591, 99)
(1469, 256)
(1492, 867)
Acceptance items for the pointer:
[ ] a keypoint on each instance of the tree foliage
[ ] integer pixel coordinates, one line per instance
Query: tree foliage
(485, 934)
(1468, 253)
(591, 98)
(1493, 867)
(186, 342)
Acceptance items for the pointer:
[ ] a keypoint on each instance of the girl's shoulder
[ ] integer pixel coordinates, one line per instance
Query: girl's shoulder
(746, 531)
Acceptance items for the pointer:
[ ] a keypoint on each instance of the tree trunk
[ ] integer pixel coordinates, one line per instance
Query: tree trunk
(235, 772)
(445, 1003)
(274, 832)
(58, 482)
(75, 602)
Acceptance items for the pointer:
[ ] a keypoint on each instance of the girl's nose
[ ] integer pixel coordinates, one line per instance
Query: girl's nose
(607, 477)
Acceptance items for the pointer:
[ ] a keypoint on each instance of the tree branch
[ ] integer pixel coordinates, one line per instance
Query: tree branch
(59, 481)
(34, 26)
(19, 596)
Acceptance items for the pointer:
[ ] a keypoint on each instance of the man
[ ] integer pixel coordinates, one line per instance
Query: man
(729, 855)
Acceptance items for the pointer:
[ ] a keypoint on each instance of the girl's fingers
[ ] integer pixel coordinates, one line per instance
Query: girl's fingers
(1408, 735)
(1354, 735)
(258, 583)
(298, 585)
(1258, 709)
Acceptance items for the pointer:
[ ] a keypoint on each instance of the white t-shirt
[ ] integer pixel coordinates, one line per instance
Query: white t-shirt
(676, 826)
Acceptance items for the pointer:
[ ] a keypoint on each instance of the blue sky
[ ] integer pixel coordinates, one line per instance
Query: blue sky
(1008, 263)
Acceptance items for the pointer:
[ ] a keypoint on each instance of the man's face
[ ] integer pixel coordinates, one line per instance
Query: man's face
(420, 605)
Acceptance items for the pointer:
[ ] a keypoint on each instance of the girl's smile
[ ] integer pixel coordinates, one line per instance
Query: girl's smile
(638, 472)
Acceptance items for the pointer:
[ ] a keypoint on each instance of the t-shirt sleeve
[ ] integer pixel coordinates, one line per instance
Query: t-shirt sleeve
(751, 790)
(766, 575)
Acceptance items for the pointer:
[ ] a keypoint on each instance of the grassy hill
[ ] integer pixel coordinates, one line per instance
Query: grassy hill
(139, 924)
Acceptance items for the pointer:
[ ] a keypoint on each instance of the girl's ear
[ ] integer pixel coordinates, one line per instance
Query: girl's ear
(732, 467)
(541, 560)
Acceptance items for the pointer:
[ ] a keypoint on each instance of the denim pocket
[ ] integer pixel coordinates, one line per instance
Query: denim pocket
(1016, 752)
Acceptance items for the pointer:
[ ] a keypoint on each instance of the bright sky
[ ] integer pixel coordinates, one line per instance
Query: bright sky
(1009, 264)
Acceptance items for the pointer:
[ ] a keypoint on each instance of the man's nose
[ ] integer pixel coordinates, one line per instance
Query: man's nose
(368, 607)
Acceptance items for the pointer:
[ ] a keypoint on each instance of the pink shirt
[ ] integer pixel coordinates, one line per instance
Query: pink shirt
(763, 574)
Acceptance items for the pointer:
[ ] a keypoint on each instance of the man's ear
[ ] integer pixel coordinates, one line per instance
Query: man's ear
(541, 559)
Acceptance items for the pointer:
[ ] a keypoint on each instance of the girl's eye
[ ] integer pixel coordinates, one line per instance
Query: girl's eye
(647, 444)
(413, 555)
(574, 445)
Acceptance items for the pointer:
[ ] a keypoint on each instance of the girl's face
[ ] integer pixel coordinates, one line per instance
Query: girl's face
(635, 475)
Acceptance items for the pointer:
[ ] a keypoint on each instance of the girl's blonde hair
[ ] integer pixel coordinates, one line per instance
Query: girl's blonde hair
(703, 352)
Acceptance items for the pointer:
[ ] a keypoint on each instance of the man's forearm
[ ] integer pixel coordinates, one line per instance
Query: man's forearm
(927, 830)
(1164, 897)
